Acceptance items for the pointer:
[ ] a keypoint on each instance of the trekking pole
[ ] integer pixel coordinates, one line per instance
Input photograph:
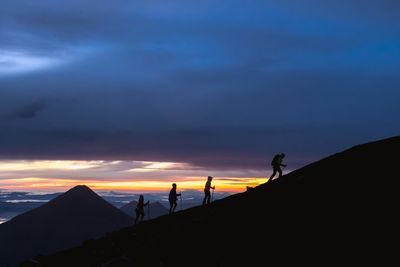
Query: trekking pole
(212, 195)
(148, 211)
(180, 195)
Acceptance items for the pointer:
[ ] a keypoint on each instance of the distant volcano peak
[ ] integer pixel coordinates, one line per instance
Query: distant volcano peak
(82, 192)
(77, 215)
(80, 189)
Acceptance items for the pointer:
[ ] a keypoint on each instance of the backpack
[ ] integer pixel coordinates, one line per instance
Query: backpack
(274, 160)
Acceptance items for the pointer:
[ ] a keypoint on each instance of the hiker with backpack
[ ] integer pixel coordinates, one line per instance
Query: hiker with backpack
(172, 198)
(207, 194)
(276, 164)
(140, 209)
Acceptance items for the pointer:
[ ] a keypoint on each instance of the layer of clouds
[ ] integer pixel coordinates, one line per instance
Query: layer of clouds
(216, 84)
(31, 171)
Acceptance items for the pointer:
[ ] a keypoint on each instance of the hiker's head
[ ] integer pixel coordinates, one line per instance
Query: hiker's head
(174, 185)
(210, 178)
(141, 197)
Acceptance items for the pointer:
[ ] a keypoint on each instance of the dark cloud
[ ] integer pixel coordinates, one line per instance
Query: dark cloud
(218, 148)
(28, 111)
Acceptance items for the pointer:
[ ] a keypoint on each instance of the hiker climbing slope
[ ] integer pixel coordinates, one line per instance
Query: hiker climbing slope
(172, 198)
(207, 194)
(140, 209)
(276, 164)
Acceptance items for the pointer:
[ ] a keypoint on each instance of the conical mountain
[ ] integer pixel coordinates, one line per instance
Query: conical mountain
(65, 221)
(156, 209)
(341, 210)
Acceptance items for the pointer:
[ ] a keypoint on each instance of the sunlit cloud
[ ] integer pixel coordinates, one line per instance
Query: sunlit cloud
(24, 165)
(12, 62)
(151, 166)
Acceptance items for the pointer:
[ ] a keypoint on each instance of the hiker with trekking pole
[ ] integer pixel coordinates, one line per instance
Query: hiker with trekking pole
(140, 209)
(207, 194)
(172, 198)
(276, 164)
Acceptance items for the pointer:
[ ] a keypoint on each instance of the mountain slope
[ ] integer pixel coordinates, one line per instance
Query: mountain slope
(9, 209)
(65, 221)
(340, 210)
(156, 210)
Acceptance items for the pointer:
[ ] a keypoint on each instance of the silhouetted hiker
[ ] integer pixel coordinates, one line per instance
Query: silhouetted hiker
(207, 194)
(140, 209)
(276, 164)
(173, 198)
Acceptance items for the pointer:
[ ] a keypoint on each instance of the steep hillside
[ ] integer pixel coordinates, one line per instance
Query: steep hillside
(339, 210)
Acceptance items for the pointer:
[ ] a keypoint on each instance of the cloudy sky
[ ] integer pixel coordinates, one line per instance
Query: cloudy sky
(130, 94)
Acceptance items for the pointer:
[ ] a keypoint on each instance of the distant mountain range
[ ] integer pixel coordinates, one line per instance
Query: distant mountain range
(156, 209)
(338, 211)
(15, 203)
(77, 215)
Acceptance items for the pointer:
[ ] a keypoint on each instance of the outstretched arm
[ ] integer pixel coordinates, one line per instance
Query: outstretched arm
(147, 203)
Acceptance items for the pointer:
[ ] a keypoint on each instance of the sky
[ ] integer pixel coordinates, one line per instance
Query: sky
(138, 94)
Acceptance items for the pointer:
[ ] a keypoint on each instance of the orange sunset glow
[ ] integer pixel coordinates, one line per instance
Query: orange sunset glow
(224, 184)
(139, 176)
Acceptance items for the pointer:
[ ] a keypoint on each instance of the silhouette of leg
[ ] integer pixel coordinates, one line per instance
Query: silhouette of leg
(273, 175)
(173, 209)
(280, 172)
(137, 217)
(170, 207)
(208, 196)
(205, 197)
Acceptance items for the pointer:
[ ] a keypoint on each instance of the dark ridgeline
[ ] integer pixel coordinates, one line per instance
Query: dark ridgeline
(338, 211)
(66, 221)
(156, 209)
